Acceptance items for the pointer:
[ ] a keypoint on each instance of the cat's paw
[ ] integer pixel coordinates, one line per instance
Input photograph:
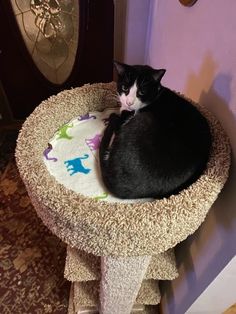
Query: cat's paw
(125, 115)
(114, 117)
(114, 121)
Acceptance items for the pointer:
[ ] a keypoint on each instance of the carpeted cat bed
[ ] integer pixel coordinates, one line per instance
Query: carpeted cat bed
(86, 217)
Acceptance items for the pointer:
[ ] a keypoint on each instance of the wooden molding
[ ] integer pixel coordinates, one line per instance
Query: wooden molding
(120, 10)
(187, 3)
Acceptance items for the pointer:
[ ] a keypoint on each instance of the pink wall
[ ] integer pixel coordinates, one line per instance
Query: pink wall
(197, 46)
(137, 16)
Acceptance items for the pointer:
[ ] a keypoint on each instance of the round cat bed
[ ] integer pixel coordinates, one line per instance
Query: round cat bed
(118, 228)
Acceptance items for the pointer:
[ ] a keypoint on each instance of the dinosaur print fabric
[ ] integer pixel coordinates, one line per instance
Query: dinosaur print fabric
(72, 155)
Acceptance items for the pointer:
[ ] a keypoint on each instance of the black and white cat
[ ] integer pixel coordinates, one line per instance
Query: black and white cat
(158, 145)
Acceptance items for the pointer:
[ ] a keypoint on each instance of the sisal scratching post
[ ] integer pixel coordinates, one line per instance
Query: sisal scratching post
(117, 251)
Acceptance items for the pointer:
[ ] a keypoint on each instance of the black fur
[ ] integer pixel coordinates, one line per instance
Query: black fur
(159, 150)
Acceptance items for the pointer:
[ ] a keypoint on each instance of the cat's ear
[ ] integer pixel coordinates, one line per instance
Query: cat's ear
(158, 74)
(120, 67)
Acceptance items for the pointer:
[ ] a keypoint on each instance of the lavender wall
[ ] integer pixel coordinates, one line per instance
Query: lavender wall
(197, 46)
(137, 20)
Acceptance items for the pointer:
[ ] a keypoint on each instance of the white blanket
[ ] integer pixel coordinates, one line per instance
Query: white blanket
(72, 155)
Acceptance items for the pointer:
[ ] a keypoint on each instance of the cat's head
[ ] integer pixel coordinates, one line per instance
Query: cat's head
(137, 85)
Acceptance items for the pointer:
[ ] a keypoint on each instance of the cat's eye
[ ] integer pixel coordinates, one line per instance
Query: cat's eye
(141, 92)
(124, 88)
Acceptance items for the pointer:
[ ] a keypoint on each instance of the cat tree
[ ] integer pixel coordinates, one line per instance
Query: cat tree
(116, 251)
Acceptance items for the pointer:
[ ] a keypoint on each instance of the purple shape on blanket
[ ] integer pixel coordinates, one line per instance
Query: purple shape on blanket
(86, 117)
(47, 151)
(75, 165)
(94, 143)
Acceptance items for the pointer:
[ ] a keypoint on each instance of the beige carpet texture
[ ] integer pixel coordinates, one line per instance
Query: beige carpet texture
(87, 294)
(75, 308)
(98, 227)
(116, 285)
(121, 283)
(82, 266)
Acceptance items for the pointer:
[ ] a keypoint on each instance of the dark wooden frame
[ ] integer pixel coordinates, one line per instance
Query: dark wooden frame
(93, 60)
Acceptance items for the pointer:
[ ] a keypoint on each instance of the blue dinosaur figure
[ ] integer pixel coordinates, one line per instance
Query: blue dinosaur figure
(75, 165)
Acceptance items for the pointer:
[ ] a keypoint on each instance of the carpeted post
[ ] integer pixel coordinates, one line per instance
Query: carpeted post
(120, 283)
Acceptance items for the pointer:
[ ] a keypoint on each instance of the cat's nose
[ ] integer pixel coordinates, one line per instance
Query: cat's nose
(129, 103)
